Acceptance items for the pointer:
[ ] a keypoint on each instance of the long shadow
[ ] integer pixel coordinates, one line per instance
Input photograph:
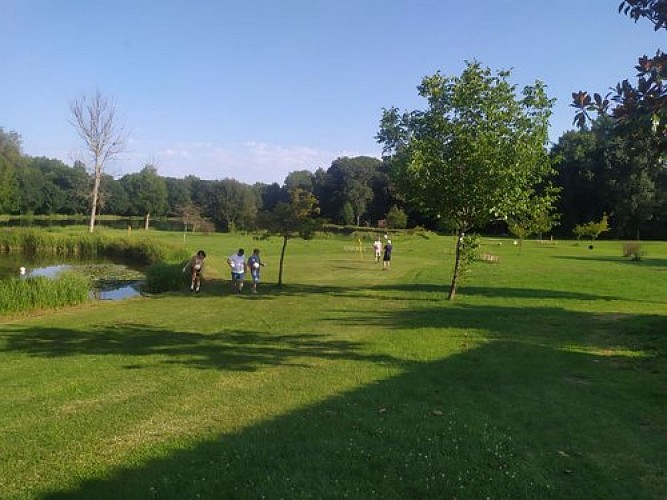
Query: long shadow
(506, 420)
(527, 293)
(644, 262)
(427, 291)
(548, 326)
(224, 350)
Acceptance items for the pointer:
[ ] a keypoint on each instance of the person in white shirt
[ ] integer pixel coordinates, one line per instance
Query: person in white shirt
(377, 246)
(238, 266)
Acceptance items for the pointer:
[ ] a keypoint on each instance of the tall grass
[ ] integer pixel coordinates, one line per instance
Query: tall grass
(21, 295)
(78, 244)
(165, 277)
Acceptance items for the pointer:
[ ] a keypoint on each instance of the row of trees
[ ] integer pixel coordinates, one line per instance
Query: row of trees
(351, 191)
(599, 170)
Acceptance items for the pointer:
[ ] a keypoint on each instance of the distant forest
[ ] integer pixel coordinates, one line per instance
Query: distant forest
(598, 171)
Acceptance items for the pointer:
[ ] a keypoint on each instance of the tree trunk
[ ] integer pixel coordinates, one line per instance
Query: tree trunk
(96, 192)
(147, 220)
(457, 266)
(282, 259)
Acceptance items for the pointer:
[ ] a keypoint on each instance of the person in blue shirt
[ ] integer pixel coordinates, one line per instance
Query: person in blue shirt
(386, 259)
(255, 264)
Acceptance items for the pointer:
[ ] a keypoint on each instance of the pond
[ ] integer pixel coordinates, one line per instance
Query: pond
(112, 280)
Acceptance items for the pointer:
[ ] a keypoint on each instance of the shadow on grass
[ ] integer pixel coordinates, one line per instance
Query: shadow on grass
(644, 262)
(421, 291)
(505, 420)
(225, 350)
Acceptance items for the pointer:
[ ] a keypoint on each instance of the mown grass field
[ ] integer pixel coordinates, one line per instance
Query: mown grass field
(545, 378)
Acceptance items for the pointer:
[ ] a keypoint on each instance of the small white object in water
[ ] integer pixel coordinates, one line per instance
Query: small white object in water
(22, 271)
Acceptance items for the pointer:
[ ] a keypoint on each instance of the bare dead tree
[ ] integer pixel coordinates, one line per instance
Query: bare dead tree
(95, 121)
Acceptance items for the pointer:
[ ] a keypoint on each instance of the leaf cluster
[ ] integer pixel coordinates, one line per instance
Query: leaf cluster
(476, 152)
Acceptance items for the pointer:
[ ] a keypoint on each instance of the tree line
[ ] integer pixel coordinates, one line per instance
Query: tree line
(350, 191)
(598, 171)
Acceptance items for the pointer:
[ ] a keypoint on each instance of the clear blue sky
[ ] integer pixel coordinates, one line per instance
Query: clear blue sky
(254, 89)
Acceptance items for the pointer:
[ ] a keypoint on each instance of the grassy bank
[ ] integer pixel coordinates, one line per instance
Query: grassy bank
(545, 379)
(75, 242)
(23, 295)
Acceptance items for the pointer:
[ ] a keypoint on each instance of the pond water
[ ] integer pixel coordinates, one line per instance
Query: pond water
(112, 280)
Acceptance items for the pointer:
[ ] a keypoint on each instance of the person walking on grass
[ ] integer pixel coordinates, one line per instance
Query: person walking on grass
(377, 247)
(254, 264)
(386, 259)
(196, 265)
(238, 266)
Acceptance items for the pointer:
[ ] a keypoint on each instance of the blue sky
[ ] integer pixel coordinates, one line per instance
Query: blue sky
(254, 89)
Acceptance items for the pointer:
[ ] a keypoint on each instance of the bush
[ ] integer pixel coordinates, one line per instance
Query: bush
(163, 277)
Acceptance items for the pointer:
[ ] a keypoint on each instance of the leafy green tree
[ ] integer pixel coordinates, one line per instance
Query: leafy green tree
(114, 199)
(289, 220)
(346, 180)
(592, 229)
(178, 193)
(347, 214)
(397, 218)
(476, 154)
(10, 160)
(268, 195)
(299, 179)
(234, 205)
(601, 169)
(653, 10)
(147, 192)
(31, 190)
(636, 107)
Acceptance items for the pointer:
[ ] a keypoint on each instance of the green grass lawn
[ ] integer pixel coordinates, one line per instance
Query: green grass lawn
(545, 378)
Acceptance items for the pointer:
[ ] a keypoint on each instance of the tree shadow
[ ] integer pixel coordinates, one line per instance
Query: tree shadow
(223, 350)
(504, 420)
(644, 262)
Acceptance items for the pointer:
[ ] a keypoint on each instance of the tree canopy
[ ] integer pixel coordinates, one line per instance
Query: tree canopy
(475, 154)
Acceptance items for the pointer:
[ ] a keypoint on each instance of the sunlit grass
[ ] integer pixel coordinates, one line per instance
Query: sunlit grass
(544, 379)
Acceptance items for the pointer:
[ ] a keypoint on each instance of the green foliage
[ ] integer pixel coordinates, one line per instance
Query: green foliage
(288, 220)
(397, 218)
(141, 251)
(29, 294)
(10, 161)
(476, 154)
(164, 277)
(147, 192)
(592, 229)
(347, 214)
(469, 253)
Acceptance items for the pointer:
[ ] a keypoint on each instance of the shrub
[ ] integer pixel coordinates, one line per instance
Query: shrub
(592, 229)
(163, 277)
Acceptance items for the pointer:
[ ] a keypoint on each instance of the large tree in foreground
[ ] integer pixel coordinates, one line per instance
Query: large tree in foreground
(94, 119)
(476, 153)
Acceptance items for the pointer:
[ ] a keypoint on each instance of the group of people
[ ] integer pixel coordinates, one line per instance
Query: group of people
(238, 265)
(383, 253)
